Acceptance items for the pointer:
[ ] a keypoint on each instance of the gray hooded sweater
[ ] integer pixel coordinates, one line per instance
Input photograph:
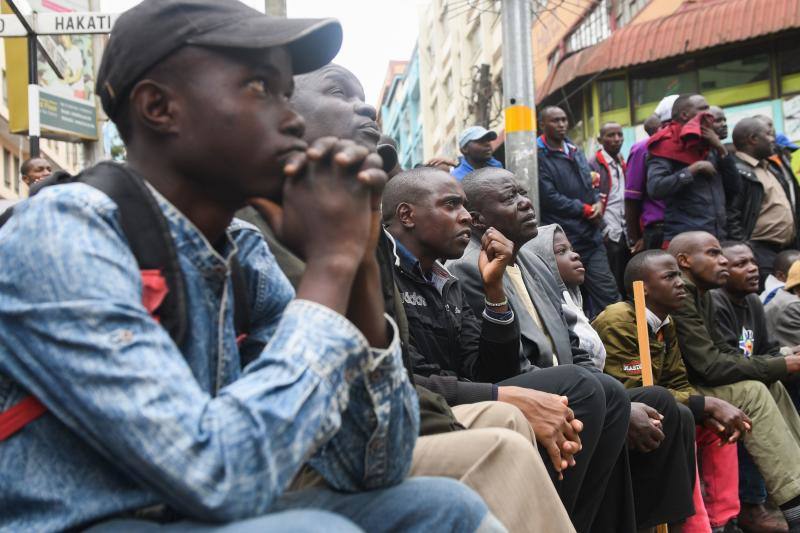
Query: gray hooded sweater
(571, 299)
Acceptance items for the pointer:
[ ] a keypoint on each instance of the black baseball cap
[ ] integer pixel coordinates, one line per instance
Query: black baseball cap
(146, 34)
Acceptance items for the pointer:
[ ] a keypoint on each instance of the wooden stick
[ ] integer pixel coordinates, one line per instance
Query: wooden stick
(643, 334)
(644, 349)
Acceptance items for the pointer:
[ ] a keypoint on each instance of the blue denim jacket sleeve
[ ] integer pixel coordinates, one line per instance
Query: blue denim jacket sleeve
(86, 347)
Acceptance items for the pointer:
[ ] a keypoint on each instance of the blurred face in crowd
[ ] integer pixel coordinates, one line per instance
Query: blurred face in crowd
(38, 169)
(694, 105)
(720, 122)
(331, 100)
(504, 205)
(555, 124)
(705, 262)
(478, 151)
(663, 285)
(440, 224)
(570, 267)
(762, 142)
(611, 138)
(743, 269)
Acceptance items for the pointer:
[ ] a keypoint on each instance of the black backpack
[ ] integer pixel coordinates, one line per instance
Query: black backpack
(146, 230)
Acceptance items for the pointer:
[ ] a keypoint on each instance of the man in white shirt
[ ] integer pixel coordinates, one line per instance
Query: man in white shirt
(609, 177)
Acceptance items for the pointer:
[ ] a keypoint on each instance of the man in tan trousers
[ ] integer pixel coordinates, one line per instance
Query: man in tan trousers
(489, 446)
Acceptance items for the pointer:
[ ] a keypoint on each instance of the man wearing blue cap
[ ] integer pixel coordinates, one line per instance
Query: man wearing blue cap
(476, 151)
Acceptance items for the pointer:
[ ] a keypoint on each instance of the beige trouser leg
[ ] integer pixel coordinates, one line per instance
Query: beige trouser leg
(496, 459)
(774, 442)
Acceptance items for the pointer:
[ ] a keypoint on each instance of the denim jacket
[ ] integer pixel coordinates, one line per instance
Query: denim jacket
(134, 420)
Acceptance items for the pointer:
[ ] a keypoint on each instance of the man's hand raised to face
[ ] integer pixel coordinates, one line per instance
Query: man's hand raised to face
(497, 252)
(329, 201)
(645, 432)
(553, 422)
(730, 422)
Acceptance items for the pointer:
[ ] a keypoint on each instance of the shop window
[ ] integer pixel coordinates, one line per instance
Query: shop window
(7, 173)
(649, 90)
(789, 67)
(736, 81)
(595, 27)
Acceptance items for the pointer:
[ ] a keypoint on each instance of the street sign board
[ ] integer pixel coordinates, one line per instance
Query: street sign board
(58, 24)
(73, 23)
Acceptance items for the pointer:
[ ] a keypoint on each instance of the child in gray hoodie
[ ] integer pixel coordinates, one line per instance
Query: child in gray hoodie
(554, 248)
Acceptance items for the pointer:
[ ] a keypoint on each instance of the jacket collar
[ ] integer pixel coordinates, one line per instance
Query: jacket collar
(409, 264)
(752, 161)
(190, 240)
(463, 163)
(568, 150)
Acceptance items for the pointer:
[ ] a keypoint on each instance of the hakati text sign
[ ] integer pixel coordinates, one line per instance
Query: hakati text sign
(58, 24)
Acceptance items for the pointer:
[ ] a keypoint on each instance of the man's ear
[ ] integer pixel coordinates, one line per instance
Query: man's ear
(153, 105)
(478, 222)
(463, 150)
(684, 263)
(405, 215)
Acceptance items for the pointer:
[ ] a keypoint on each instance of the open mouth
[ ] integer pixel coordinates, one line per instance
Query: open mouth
(464, 235)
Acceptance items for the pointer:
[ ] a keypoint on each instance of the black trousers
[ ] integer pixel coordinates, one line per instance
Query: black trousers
(599, 287)
(653, 236)
(596, 492)
(618, 256)
(663, 480)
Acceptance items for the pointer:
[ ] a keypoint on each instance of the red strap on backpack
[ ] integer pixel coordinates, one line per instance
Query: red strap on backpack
(19, 416)
(154, 290)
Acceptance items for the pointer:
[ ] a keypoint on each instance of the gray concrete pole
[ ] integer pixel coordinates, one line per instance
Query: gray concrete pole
(518, 100)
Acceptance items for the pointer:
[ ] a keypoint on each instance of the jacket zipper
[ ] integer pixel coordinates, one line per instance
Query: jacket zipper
(220, 336)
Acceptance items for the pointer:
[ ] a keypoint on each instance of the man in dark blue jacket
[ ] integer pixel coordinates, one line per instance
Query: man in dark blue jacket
(569, 198)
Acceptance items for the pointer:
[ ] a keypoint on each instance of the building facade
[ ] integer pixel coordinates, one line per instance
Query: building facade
(68, 156)
(399, 113)
(455, 39)
(613, 60)
(749, 64)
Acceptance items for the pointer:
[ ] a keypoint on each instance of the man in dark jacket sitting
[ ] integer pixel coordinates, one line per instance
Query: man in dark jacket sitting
(498, 201)
(569, 198)
(424, 211)
(763, 211)
(691, 170)
(715, 368)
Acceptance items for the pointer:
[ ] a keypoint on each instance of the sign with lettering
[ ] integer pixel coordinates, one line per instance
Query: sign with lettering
(58, 24)
(71, 23)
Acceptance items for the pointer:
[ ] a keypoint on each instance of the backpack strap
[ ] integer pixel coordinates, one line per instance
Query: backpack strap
(146, 229)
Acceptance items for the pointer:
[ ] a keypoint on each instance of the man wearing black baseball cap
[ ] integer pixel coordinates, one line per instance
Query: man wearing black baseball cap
(114, 422)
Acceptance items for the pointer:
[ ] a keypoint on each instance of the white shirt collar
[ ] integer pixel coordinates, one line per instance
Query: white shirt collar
(610, 160)
(656, 323)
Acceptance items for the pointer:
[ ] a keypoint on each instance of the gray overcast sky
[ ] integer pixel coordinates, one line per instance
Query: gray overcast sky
(375, 31)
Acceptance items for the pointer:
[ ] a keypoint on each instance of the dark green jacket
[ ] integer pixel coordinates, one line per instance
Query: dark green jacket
(617, 328)
(708, 358)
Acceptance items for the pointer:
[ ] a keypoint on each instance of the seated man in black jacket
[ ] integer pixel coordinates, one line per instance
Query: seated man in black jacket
(661, 434)
(424, 211)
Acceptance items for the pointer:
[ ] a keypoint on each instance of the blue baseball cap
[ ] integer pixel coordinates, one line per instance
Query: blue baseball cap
(784, 142)
(475, 133)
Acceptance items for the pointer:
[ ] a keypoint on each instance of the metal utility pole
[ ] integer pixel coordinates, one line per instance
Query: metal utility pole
(518, 101)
